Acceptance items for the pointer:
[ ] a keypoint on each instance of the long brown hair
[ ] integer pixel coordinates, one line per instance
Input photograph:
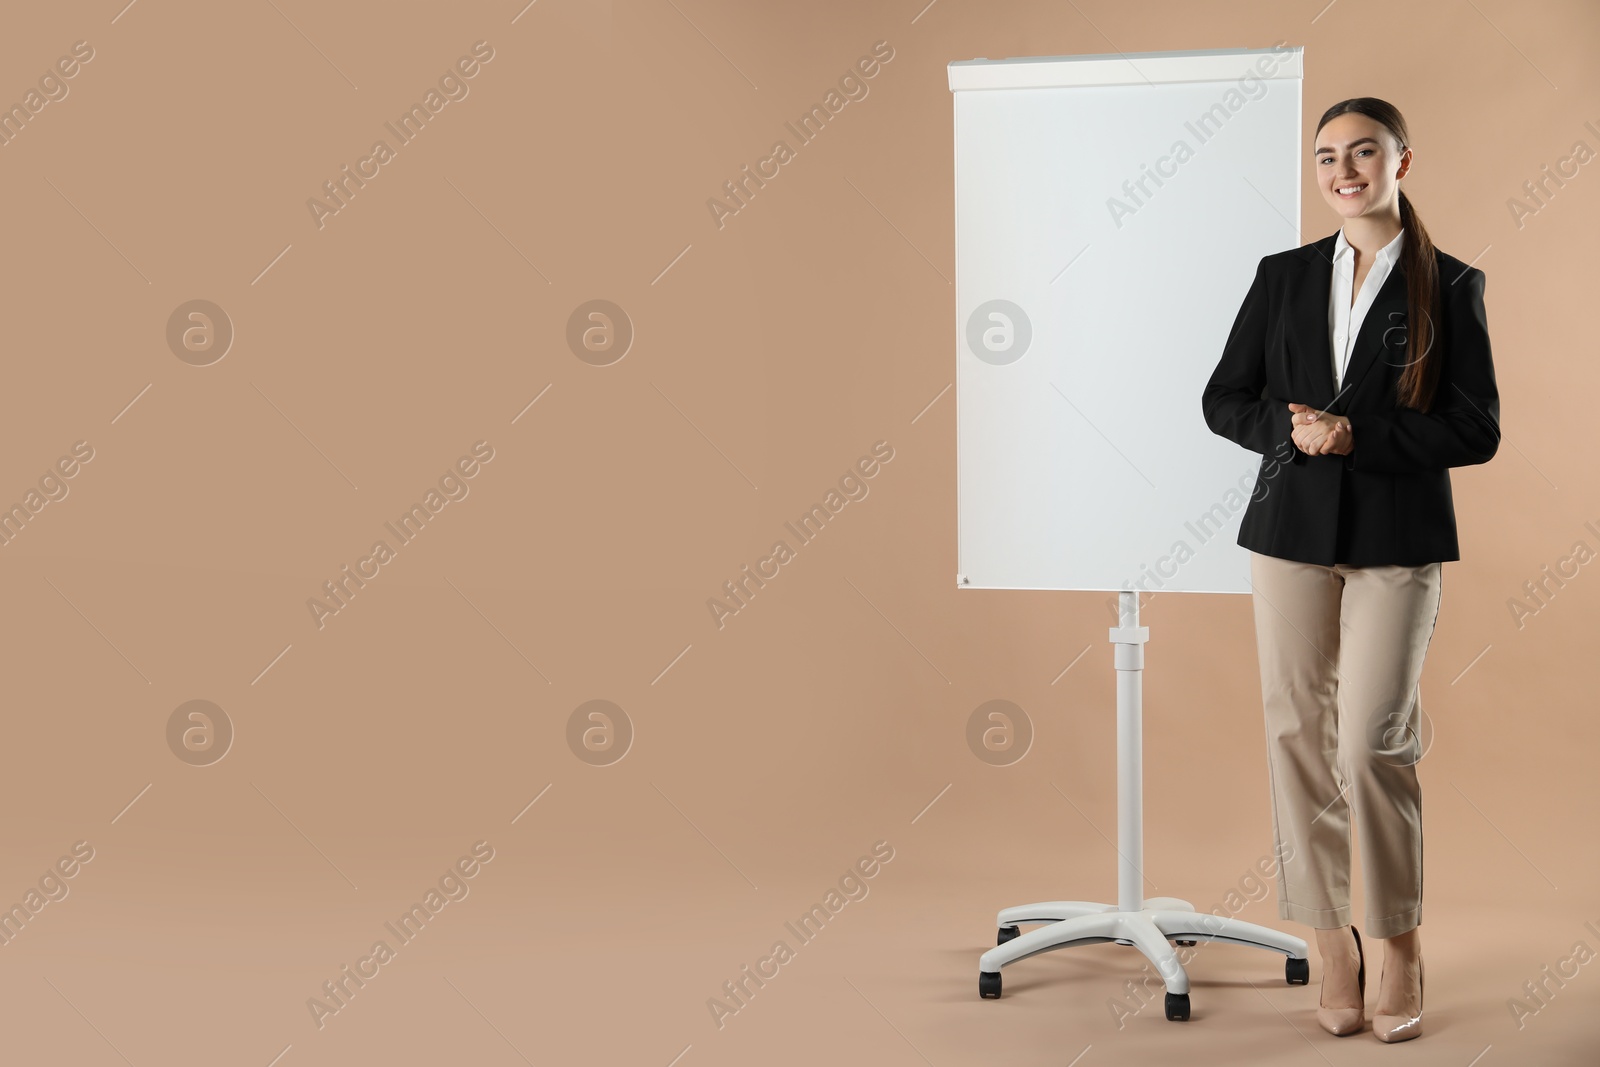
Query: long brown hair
(1420, 379)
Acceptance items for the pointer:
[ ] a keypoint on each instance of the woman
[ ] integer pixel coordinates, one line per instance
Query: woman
(1359, 368)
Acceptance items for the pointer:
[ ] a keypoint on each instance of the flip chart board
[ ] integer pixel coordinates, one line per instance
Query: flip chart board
(1110, 213)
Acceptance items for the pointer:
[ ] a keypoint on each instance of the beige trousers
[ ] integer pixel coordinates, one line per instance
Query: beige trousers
(1341, 652)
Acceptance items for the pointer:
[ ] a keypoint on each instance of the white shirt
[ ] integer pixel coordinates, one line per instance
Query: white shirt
(1344, 321)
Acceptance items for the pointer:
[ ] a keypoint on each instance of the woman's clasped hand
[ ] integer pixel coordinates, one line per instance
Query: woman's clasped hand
(1316, 433)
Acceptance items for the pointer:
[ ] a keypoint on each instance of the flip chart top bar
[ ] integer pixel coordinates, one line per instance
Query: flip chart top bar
(1126, 68)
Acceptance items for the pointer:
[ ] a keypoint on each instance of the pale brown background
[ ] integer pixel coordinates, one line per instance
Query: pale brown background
(769, 355)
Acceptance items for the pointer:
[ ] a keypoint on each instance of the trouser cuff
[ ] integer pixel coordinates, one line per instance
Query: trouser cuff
(1321, 918)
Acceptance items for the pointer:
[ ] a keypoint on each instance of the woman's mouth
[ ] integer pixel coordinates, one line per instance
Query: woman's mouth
(1350, 192)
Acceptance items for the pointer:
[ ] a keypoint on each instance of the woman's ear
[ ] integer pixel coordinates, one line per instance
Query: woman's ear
(1405, 165)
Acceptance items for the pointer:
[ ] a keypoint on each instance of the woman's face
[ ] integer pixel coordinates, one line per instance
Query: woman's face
(1356, 152)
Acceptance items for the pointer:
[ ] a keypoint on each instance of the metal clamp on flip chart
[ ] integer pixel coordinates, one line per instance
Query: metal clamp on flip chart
(1129, 652)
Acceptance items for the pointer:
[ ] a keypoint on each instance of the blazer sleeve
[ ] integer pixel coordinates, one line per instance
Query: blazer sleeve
(1464, 426)
(1232, 402)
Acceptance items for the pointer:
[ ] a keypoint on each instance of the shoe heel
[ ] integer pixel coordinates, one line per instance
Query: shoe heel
(1361, 975)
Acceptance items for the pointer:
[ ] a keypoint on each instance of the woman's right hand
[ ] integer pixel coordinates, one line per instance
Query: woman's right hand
(1316, 433)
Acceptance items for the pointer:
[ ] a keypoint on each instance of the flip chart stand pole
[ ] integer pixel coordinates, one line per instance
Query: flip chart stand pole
(1145, 924)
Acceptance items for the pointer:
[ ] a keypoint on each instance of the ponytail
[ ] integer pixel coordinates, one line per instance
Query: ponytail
(1420, 380)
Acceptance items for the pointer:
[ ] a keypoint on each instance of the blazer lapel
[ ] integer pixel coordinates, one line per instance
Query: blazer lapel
(1312, 362)
(1383, 330)
(1383, 327)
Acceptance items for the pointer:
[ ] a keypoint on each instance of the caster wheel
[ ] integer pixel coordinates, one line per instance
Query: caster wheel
(1177, 1006)
(1297, 972)
(1007, 933)
(989, 985)
(1183, 943)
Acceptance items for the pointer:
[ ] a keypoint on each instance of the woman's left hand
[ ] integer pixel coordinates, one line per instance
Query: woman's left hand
(1317, 433)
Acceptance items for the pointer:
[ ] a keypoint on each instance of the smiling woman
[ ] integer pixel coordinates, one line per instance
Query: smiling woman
(1347, 548)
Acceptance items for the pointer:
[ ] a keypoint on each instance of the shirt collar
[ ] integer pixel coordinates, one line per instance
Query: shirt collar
(1389, 253)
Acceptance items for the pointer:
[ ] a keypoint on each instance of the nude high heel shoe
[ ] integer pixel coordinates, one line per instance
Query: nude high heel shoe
(1343, 1021)
(1393, 1028)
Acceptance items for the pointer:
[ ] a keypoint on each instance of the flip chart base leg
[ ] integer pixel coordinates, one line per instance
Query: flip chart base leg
(1151, 924)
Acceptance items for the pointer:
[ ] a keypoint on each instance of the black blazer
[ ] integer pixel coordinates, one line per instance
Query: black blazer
(1388, 501)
